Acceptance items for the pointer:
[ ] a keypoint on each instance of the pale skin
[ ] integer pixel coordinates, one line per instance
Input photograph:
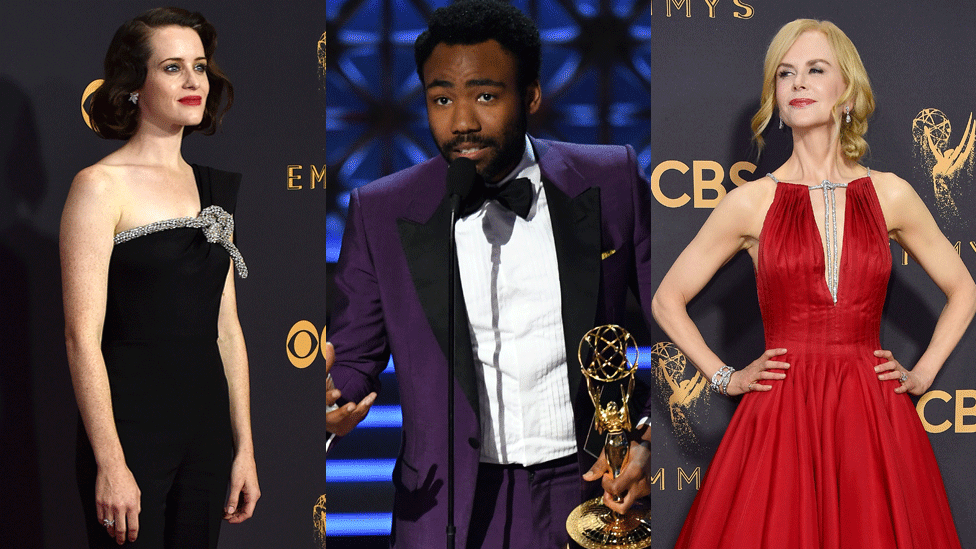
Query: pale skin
(145, 180)
(810, 72)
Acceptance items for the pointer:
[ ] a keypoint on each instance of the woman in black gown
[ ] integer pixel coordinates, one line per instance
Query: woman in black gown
(154, 344)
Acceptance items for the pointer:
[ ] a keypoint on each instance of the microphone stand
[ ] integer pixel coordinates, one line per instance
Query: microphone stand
(451, 363)
(461, 177)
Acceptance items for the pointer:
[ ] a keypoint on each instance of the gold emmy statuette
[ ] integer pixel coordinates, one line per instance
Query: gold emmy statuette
(592, 524)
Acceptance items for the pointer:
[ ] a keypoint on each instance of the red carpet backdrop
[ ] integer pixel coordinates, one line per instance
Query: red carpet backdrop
(274, 135)
(707, 58)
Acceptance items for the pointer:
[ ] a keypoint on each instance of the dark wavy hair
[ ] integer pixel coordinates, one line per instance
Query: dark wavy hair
(475, 21)
(113, 116)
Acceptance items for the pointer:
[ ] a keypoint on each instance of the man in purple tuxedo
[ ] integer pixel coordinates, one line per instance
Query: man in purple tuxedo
(545, 251)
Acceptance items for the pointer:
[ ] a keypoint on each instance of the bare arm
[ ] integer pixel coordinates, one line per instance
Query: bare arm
(733, 226)
(88, 223)
(912, 226)
(244, 490)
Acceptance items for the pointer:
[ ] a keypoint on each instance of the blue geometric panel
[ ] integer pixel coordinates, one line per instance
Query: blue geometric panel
(596, 83)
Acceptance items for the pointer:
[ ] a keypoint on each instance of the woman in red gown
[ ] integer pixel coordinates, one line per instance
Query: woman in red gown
(825, 449)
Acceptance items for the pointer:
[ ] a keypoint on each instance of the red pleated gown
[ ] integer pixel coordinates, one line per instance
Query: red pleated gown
(831, 457)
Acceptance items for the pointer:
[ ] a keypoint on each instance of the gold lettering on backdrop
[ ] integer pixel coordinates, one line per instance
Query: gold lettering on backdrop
(695, 476)
(677, 5)
(292, 177)
(714, 184)
(85, 95)
(963, 411)
(920, 408)
(658, 476)
(711, 8)
(656, 183)
(317, 176)
(683, 478)
(963, 407)
(738, 168)
(708, 192)
(748, 10)
(295, 177)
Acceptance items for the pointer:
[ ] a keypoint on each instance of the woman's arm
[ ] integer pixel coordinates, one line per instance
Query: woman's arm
(733, 226)
(244, 490)
(912, 226)
(91, 213)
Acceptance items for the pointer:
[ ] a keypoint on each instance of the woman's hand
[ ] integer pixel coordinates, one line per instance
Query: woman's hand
(244, 490)
(118, 502)
(747, 379)
(910, 381)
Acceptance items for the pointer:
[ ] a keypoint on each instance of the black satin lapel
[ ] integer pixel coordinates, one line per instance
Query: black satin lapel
(427, 251)
(576, 230)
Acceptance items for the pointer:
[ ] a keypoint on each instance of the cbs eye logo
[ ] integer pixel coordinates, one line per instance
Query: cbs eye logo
(304, 343)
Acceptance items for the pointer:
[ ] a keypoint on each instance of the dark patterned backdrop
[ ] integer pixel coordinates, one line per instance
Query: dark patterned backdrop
(596, 81)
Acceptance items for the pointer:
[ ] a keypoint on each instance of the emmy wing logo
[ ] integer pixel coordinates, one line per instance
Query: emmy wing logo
(947, 165)
(681, 388)
(318, 521)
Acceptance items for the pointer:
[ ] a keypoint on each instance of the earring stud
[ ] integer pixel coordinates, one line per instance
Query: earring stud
(134, 98)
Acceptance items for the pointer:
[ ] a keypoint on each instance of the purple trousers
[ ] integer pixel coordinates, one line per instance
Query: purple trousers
(519, 507)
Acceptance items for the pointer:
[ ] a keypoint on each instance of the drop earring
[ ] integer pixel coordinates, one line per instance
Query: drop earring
(847, 112)
(134, 98)
(781, 123)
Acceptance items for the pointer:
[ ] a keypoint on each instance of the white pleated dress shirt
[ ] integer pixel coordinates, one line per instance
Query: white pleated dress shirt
(510, 280)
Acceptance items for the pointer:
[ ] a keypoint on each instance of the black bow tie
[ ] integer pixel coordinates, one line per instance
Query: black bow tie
(516, 195)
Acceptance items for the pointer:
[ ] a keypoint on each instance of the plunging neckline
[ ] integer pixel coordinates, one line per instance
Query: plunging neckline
(822, 241)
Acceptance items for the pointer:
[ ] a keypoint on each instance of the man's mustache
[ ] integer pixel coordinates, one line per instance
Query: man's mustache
(460, 140)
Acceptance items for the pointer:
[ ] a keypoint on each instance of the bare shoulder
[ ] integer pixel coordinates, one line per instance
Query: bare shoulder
(891, 189)
(97, 195)
(900, 204)
(743, 209)
(99, 180)
(751, 196)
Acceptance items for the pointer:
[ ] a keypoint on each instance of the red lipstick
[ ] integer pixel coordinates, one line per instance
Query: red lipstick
(191, 100)
(801, 102)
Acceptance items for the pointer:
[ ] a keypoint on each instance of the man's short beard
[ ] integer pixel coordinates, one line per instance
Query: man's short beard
(509, 151)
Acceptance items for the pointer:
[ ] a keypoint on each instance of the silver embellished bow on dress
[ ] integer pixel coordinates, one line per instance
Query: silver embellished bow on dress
(217, 226)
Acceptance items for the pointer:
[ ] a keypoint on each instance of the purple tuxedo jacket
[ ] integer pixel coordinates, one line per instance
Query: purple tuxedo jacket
(392, 281)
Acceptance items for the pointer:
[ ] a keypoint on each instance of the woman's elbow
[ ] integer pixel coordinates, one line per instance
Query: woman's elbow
(664, 304)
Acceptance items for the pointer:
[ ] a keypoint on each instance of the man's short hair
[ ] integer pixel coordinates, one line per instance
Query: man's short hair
(470, 22)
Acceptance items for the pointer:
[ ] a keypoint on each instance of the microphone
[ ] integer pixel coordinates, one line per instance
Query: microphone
(461, 177)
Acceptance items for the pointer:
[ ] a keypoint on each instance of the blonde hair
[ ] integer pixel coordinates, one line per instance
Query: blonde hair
(858, 92)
